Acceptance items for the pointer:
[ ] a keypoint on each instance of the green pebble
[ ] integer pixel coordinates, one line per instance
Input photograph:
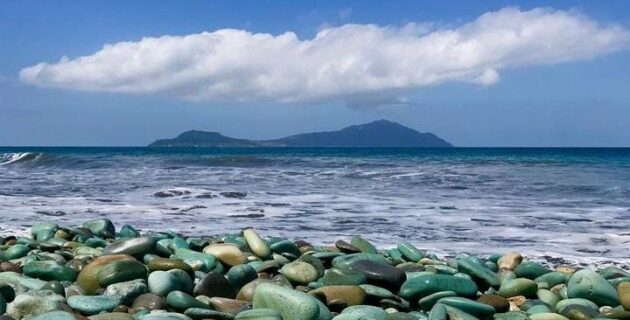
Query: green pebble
(363, 245)
(410, 252)
(93, 304)
(530, 270)
(518, 287)
(49, 270)
(120, 271)
(588, 284)
(425, 284)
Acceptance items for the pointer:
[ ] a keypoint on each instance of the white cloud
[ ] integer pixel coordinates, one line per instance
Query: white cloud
(338, 63)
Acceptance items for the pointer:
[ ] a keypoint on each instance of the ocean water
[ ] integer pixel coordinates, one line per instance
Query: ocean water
(572, 203)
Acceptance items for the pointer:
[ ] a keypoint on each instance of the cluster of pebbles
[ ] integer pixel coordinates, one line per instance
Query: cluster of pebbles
(96, 272)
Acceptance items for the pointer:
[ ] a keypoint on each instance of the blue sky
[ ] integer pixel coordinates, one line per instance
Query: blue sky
(556, 88)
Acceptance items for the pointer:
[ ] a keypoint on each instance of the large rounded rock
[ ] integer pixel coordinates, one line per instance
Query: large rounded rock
(58, 315)
(623, 290)
(425, 284)
(88, 277)
(588, 284)
(257, 244)
(349, 295)
(292, 304)
(259, 314)
(120, 271)
(380, 274)
(127, 291)
(101, 227)
(162, 282)
(510, 260)
(228, 253)
(518, 287)
(93, 304)
(214, 284)
(49, 270)
(148, 301)
(132, 247)
(299, 272)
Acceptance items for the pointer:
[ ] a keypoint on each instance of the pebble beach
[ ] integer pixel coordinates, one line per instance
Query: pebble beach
(99, 271)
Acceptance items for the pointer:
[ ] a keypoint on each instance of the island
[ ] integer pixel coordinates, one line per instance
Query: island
(376, 134)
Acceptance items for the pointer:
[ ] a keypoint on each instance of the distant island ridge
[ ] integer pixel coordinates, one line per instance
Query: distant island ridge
(380, 133)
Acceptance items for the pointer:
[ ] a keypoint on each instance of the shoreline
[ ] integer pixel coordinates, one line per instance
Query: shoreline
(99, 271)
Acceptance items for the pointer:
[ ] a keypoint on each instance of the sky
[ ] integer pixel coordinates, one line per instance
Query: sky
(476, 73)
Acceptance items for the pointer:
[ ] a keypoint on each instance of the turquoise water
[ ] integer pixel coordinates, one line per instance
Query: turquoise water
(566, 201)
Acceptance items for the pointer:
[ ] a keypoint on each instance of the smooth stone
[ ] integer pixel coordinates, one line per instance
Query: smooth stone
(623, 290)
(478, 271)
(56, 315)
(346, 247)
(214, 284)
(284, 247)
(49, 270)
(203, 313)
(19, 280)
(363, 245)
(588, 284)
(548, 297)
(457, 314)
(612, 272)
(148, 301)
(246, 293)
(426, 284)
(112, 316)
(315, 262)
(7, 292)
(16, 251)
(554, 278)
(566, 303)
(518, 287)
(511, 315)
(292, 304)
(228, 253)
(336, 276)
(230, 306)
(350, 295)
(197, 260)
(438, 312)
(179, 300)
(257, 244)
(101, 227)
(345, 261)
(184, 279)
(499, 303)
(165, 316)
(88, 277)
(3, 305)
(259, 314)
(128, 231)
(475, 308)
(128, 291)
(427, 302)
(510, 260)
(132, 247)
(547, 316)
(299, 272)
(35, 302)
(93, 304)
(578, 312)
(121, 271)
(162, 282)
(380, 274)
(539, 308)
(410, 252)
(530, 270)
(56, 287)
(363, 312)
(240, 275)
(165, 264)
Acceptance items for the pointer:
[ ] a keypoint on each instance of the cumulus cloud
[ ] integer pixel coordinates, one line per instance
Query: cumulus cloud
(338, 63)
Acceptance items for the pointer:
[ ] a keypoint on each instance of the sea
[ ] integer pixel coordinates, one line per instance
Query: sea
(569, 203)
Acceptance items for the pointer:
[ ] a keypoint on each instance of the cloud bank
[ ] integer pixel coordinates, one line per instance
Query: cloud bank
(339, 63)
